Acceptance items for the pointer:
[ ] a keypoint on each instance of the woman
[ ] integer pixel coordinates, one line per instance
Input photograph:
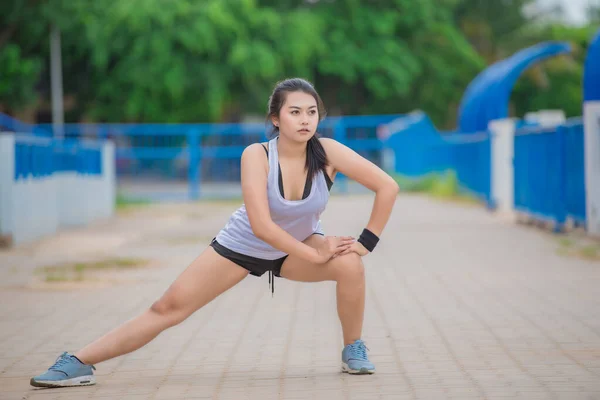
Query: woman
(285, 186)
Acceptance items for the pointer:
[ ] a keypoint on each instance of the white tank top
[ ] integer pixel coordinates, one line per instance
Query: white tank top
(299, 218)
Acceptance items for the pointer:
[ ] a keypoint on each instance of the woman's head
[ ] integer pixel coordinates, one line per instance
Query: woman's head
(295, 109)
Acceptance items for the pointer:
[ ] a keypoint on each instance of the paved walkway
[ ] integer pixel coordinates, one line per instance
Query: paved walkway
(460, 305)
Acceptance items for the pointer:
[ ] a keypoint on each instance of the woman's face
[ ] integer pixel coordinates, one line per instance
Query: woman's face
(298, 117)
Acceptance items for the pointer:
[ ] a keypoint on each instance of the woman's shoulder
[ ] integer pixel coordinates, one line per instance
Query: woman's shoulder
(327, 141)
(256, 147)
(329, 144)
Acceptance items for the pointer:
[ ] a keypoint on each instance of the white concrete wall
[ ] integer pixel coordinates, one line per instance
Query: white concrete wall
(32, 208)
(502, 165)
(591, 120)
(7, 171)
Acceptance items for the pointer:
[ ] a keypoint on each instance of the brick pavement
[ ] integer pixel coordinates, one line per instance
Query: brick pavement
(459, 306)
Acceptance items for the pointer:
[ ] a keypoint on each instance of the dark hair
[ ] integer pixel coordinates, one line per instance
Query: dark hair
(316, 159)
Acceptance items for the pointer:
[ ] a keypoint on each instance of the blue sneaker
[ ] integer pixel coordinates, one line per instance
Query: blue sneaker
(354, 359)
(66, 371)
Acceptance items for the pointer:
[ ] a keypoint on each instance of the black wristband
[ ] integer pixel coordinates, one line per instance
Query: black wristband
(368, 239)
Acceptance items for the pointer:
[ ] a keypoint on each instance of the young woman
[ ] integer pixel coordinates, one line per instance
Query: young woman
(285, 186)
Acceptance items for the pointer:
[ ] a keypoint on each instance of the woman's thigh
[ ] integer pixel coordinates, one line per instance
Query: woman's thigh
(208, 276)
(297, 269)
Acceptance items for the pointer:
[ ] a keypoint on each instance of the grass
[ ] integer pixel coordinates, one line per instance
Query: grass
(566, 242)
(76, 272)
(124, 203)
(438, 185)
(590, 252)
(583, 249)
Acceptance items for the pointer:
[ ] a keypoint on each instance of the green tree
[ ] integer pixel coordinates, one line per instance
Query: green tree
(216, 60)
(21, 61)
(393, 56)
(492, 26)
(556, 83)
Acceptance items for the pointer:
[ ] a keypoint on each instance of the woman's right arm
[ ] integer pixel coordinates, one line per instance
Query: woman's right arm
(254, 173)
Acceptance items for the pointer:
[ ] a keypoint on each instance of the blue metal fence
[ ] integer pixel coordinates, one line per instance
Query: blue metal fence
(471, 159)
(575, 170)
(420, 149)
(548, 172)
(38, 157)
(202, 153)
(10, 124)
(548, 162)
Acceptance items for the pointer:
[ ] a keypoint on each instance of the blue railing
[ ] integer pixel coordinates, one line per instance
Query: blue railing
(575, 170)
(38, 157)
(420, 149)
(549, 172)
(471, 159)
(200, 153)
(10, 124)
(548, 162)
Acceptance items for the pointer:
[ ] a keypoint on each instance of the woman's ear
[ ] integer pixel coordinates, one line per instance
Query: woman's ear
(275, 121)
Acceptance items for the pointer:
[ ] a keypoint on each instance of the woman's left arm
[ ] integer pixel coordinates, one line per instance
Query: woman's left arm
(348, 162)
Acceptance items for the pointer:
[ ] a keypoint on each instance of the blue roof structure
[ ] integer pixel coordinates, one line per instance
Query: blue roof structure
(487, 96)
(591, 72)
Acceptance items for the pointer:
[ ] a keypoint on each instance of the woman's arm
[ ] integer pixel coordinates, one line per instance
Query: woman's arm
(348, 162)
(254, 173)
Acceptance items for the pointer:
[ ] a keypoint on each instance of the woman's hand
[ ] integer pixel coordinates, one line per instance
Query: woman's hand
(331, 247)
(355, 247)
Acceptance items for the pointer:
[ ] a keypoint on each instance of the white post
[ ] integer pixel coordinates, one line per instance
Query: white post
(7, 173)
(591, 120)
(502, 168)
(108, 178)
(546, 117)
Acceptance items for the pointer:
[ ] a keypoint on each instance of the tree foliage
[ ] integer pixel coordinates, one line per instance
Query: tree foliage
(217, 60)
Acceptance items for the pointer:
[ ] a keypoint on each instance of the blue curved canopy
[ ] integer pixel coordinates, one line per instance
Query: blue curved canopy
(591, 72)
(487, 96)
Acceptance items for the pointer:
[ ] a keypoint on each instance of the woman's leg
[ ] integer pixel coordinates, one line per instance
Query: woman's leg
(349, 273)
(207, 277)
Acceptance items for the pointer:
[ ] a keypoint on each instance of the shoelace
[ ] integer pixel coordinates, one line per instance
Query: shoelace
(358, 351)
(63, 359)
(60, 361)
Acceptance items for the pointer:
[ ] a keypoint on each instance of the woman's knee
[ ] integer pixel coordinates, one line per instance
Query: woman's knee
(351, 267)
(170, 309)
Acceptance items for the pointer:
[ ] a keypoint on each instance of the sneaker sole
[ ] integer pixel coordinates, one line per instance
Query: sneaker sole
(79, 381)
(362, 371)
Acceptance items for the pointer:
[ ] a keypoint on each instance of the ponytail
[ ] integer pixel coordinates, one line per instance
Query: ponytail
(316, 158)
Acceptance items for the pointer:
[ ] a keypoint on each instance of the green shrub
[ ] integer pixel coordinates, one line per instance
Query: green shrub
(443, 185)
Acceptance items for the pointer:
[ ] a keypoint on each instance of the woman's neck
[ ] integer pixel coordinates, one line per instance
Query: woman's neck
(289, 149)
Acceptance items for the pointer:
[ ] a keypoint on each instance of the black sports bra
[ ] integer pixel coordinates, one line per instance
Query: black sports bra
(307, 185)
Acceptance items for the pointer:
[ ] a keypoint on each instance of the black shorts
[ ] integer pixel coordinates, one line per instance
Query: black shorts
(256, 266)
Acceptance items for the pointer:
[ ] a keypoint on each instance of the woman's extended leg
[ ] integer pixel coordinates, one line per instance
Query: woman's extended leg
(208, 276)
(349, 273)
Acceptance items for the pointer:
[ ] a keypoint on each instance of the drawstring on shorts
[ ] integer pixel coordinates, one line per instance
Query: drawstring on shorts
(272, 282)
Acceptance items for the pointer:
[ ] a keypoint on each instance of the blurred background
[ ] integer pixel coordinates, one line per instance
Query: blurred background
(122, 123)
(184, 61)
(153, 100)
